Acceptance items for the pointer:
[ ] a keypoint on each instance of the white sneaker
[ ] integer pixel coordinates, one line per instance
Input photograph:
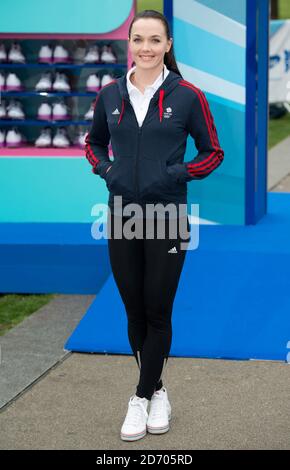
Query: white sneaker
(13, 83)
(92, 55)
(3, 53)
(44, 83)
(93, 83)
(2, 138)
(107, 55)
(107, 78)
(44, 111)
(13, 138)
(45, 54)
(134, 426)
(60, 55)
(59, 112)
(44, 140)
(160, 412)
(15, 54)
(14, 110)
(61, 82)
(60, 139)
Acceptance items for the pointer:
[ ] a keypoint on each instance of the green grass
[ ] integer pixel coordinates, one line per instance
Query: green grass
(14, 308)
(278, 130)
(284, 9)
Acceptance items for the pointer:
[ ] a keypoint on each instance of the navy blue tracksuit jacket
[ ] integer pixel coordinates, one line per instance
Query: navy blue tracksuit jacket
(149, 162)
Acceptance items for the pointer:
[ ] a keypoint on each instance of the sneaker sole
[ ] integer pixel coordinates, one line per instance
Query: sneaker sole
(133, 437)
(60, 118)
(18, 144)
(93, 89)
(13, 88)
(159, 430)
(44, 117)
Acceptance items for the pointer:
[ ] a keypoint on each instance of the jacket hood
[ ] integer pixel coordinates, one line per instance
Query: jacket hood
(170, 82)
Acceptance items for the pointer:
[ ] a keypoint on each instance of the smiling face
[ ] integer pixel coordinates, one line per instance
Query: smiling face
(148, 43)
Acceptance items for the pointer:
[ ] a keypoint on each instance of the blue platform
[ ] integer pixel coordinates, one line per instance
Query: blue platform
(52, 258)
(233, 299)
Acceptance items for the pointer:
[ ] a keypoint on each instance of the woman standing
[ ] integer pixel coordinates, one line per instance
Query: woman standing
(147, 114)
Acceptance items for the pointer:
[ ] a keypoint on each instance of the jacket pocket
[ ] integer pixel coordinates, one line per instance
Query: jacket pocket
(155, 183)
(119, 179)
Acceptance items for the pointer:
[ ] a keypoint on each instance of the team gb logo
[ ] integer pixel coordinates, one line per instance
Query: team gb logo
(167, 113)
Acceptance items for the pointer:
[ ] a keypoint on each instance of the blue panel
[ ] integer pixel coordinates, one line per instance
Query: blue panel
(251, 99)
(233, 9)
(207, 52)
(65, 16)
(52, 258)
(168, 13)
(222, 194)
(262, 131)
(35, 187)
(226, 103)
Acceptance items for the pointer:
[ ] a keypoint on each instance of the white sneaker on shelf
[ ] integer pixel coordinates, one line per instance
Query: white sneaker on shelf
(13, 83)
(90, 113)
(15, 110)
(134, 426)
(2, 110)
(92, 55)
(160, 412)
(44, 111)
(107, 55)
(61, 82)
(60, 139)
(45, 138)
(15, 54)
(59, 112)
(106, 78)
(3, 53)
(13, 138)
(44, 83)
(60, 55)
(2, 138)
(45, 54)
(93, 83)
(2, 82)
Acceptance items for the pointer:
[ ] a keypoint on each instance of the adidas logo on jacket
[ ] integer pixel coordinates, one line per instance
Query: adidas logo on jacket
(148, 162)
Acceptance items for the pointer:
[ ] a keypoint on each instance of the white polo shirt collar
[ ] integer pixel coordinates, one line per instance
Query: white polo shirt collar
(149, 89)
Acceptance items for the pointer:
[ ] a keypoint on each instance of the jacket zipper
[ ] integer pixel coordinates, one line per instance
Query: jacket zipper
(138, 146)
(136, 165)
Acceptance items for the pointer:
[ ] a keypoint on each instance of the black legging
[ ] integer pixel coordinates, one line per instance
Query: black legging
(147, 278)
